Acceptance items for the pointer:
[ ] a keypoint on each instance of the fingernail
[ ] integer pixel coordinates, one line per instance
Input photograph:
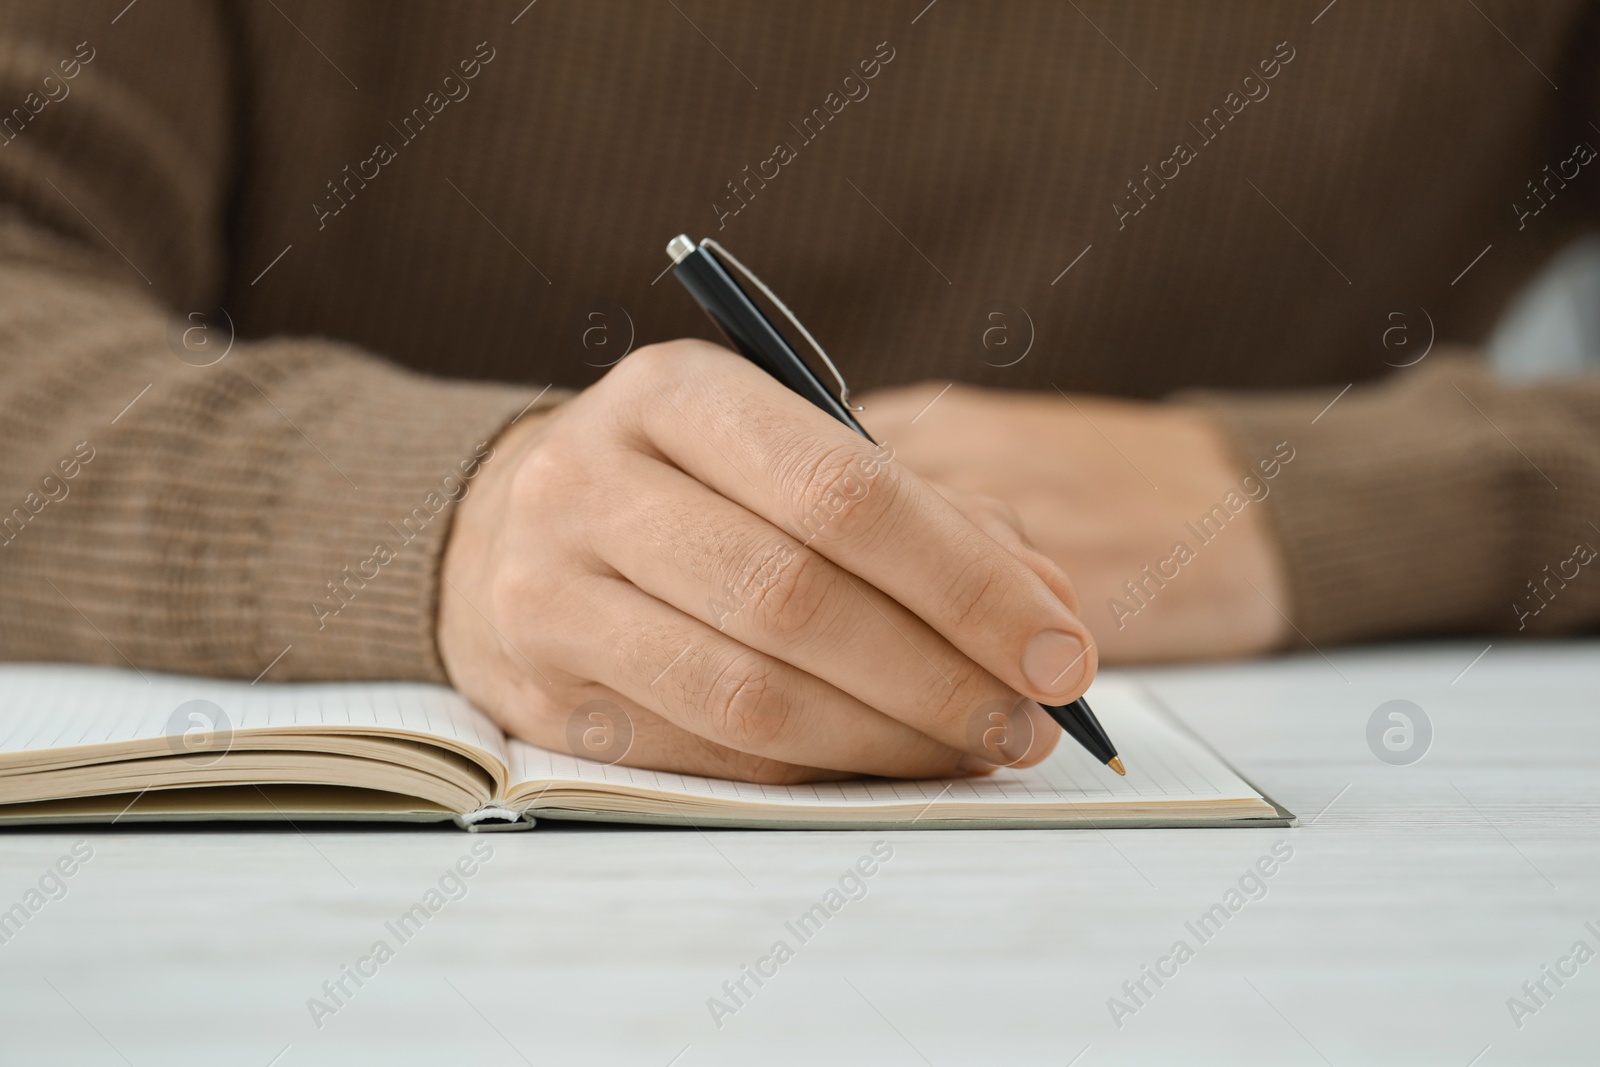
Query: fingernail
(1054, 662)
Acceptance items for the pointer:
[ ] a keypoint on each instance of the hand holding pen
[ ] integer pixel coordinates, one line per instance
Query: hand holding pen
(739, 585)
(753, 334)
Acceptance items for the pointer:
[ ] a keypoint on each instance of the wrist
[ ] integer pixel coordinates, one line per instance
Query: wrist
(479, 520)
(1257, 572)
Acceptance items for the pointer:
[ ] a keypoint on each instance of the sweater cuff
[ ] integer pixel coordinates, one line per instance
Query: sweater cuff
(1390, 516)
(353, 534)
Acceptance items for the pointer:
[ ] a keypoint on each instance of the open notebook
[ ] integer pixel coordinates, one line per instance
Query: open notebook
(88, 744)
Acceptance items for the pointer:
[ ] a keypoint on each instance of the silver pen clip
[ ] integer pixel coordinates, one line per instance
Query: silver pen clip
(844, 388)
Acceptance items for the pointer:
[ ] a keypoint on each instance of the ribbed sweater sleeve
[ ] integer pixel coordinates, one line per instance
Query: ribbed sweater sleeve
(162, 504)
(1441, 500)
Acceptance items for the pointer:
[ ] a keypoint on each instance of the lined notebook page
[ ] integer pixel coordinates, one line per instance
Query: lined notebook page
(1164, 763)
(49, 706)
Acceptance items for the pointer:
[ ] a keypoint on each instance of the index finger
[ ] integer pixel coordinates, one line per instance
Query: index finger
(737, 430)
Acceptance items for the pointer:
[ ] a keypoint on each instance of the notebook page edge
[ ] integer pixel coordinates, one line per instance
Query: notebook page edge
(567, 776)
(84, 692)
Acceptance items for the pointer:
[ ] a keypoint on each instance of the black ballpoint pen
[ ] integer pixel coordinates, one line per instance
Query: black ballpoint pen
(753, 334)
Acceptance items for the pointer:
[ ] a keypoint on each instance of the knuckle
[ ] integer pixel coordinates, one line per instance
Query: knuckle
(976, 594)
(839, 488)
(952, 707)
(642, 365)
(646, 374)
(659, 365)
(512, 592)
(789, 598)
(541, 479)
(519, 594)
(745, 708)
(817, 468)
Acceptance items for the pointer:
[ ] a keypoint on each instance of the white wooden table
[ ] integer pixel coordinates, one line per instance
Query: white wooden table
(1412, 908)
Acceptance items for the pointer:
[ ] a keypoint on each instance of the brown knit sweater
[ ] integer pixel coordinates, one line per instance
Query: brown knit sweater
(415, 217)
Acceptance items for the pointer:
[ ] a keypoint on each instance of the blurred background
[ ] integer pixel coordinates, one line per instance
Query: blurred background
(1553, 328)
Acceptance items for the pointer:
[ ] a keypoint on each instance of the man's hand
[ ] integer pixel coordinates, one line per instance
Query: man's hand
(688, 567)
(1107, 489)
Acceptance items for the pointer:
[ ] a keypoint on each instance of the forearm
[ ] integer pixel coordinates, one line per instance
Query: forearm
(293, 493)
(1439, 501)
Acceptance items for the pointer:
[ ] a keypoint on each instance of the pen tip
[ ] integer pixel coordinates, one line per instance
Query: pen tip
(1115, 763)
